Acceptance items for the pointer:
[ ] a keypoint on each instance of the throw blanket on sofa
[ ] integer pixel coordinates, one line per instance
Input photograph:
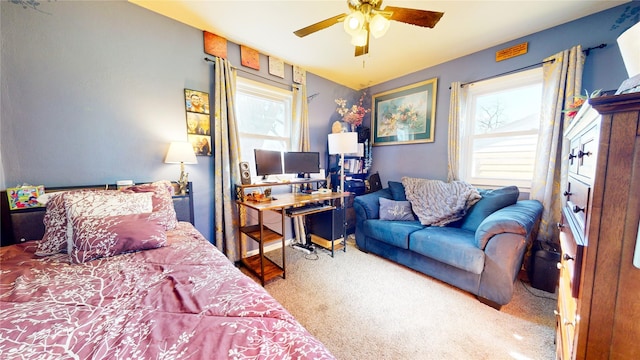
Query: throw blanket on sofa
(438, 203)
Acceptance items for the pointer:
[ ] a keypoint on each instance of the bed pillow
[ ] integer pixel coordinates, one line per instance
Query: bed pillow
(103, 203)
(397, 191)
(54, 240)
(102, 236)
(163, 209)
(395, 210)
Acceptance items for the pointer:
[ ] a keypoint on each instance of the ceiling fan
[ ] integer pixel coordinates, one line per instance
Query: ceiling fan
(366, 18)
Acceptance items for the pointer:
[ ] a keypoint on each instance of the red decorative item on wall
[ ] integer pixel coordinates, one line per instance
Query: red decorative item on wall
(215, 45)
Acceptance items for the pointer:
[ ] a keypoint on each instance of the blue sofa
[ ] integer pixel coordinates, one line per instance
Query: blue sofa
(481, 253)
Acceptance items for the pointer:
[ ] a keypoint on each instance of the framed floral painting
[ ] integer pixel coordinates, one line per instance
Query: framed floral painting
(405, 115)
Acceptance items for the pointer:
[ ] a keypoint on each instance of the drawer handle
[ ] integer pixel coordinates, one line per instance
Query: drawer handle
(568, 257)
(571, 156)
(582, 154)
(567, 194)
(577, 209)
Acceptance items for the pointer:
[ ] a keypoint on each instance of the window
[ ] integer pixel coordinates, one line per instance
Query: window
(500, 130)
(263, 113)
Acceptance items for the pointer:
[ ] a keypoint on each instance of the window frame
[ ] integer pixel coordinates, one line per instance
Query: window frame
(271, 93)
(467, 128)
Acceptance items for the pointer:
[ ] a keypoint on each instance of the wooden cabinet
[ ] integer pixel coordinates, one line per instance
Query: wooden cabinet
(598, 307)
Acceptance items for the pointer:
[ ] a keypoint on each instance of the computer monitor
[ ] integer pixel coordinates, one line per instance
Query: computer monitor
(268, 162)
(301, 163)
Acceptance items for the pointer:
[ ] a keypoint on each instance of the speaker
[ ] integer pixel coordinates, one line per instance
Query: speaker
(245, 173)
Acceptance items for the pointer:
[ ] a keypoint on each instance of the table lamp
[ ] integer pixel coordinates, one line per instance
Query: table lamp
(181, 152)
(341, 143)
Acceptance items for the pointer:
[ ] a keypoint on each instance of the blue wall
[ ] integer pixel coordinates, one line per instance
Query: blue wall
(93, 92)
(604, 69)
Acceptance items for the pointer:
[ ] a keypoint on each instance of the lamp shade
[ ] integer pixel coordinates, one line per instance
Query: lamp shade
(343, 143)
(629, 43)
(181, 152)
(378, 25)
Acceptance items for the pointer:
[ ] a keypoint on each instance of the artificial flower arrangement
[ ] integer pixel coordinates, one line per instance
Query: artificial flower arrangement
(354, 114)
(572, 110)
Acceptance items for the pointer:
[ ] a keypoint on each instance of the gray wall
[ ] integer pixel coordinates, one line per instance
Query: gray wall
(93, 92)
(604, 69)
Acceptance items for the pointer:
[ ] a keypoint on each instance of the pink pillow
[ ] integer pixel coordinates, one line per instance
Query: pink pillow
(163, 209)
(102, 236)
(63, 207)
(54, 240)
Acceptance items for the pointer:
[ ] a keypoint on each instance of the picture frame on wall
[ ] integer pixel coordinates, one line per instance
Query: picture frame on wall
(201, 144)
(405, 115)
(196, 101)
(198, 121)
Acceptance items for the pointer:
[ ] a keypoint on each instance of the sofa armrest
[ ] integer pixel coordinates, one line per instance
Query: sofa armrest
(368, 206)
(519, 218)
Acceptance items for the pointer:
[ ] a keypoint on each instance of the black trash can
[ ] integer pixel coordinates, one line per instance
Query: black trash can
(545, 270)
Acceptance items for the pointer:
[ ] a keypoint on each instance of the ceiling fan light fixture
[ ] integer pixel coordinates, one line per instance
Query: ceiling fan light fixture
(354, 22)
(379, 26)
(359, 38)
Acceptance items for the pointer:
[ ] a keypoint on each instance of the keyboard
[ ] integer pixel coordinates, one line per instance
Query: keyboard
(308, 208)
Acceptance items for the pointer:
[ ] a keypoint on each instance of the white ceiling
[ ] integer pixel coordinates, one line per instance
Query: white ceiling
(466, 27)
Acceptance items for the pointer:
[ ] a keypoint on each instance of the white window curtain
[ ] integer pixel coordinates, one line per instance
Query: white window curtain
(562, 81)
(456, 106)
(226, 150)
(300, 142)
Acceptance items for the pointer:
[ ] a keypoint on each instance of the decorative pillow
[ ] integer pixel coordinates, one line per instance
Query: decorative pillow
(163, 209)
(395, 210)
(492, 201)
(102, 236)
(103, 203)
(54, 240)
(397, 191)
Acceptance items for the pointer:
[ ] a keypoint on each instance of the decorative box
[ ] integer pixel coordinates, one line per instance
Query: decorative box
(24, 196)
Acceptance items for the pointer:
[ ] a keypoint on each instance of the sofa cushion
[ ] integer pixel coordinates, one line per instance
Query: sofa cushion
(395, 210)
(452, 246)
(394, 233)
(397, 191)
(492, 201)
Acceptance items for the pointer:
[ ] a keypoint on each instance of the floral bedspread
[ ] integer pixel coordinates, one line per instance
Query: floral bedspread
(181, 301)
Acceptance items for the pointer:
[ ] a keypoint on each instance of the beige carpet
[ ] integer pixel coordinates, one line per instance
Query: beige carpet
(364, 307)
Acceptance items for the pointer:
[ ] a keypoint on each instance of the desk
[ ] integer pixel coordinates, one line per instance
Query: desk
(261, 266)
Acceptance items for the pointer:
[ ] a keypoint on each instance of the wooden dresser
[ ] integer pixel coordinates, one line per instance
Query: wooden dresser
(598, 315)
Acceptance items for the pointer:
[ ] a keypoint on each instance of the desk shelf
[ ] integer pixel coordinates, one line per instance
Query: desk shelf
(253, 231)
(271, 269)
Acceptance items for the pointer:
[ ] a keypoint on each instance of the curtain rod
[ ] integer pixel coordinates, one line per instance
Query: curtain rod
(508, 72)
(254, 74)
(585, 51)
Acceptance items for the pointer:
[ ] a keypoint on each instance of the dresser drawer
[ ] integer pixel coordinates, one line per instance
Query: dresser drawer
(586, 155)
(572, 245)
(565, 318)
(577, 200)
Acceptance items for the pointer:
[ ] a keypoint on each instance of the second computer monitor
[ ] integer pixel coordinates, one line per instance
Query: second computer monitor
(302, 163)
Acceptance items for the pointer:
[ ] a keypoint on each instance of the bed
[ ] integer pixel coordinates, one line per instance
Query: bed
(155, 290)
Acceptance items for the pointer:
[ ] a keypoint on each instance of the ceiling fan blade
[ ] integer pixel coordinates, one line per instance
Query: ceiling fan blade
(320, 25)
(422, 18)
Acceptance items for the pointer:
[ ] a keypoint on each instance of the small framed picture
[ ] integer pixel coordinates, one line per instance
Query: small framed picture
(201, 144)
(196, 101)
